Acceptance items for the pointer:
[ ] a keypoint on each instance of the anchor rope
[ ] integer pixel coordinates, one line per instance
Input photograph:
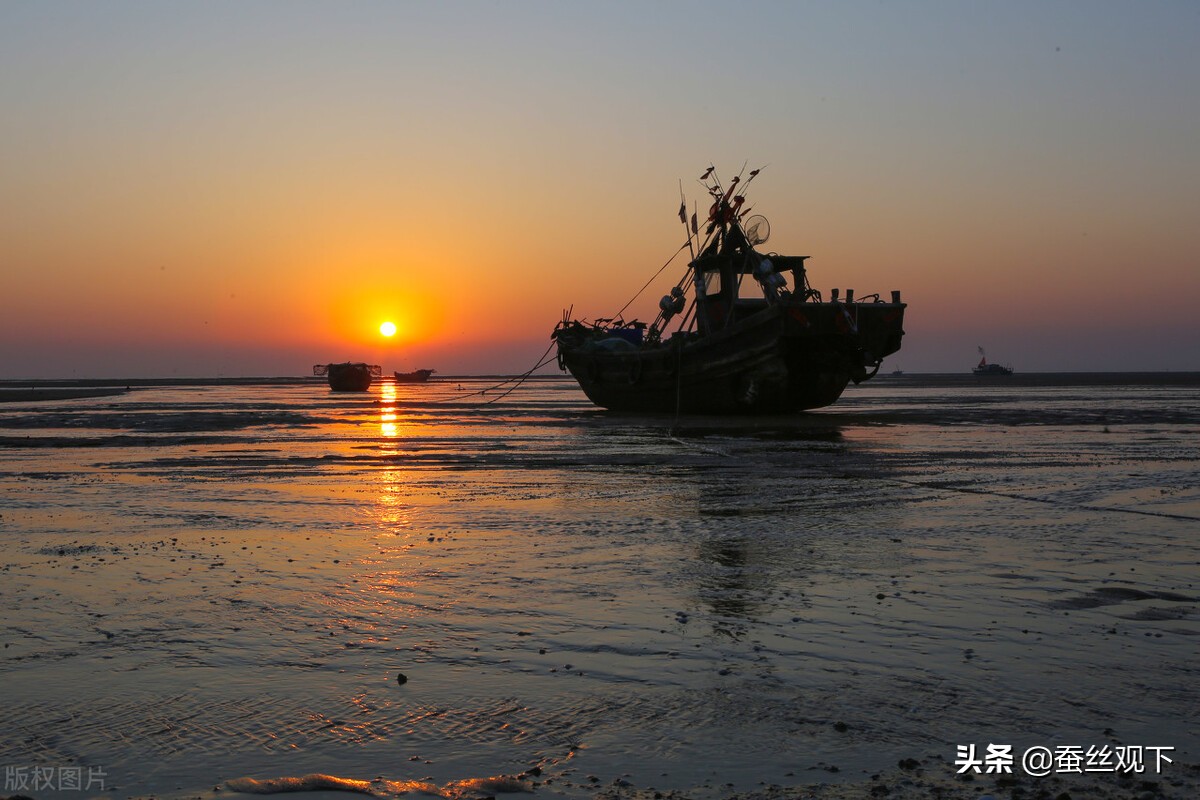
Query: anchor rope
(516, 380)
(652, 279)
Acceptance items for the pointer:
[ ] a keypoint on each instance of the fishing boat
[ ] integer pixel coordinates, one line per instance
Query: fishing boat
(750, 333)
(349, 376)
(984, 368)
(416, 376)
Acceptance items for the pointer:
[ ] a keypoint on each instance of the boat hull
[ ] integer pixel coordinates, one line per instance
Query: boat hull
(416, 376)
(348, 376)
(787, 357)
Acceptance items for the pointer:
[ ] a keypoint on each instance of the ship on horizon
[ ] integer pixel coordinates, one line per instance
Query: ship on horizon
(984, 368)
(416, 376)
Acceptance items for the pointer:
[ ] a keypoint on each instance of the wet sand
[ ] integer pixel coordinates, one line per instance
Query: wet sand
(215, 583)
(934, 779)
(33, 394)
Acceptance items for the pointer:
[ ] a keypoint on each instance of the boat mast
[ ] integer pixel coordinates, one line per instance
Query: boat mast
(725, 212)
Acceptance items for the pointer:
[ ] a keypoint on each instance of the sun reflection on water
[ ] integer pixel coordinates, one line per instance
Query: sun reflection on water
(388, 427)
(393, 514)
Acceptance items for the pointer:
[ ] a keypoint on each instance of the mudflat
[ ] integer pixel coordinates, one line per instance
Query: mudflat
(457, 592)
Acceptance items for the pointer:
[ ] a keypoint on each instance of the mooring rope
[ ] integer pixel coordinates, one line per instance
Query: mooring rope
(652, 279)
(544, 359)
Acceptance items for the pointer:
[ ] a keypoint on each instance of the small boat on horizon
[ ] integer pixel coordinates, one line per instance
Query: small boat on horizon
(753, 336)
(416, 376)
(984, 368)
(349, 376)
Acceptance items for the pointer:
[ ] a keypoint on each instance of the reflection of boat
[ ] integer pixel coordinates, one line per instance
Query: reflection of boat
(349, 376)
(416, 376)
(754, 337)
(984, 368)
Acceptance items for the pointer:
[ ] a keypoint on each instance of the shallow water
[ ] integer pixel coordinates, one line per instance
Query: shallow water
(205, 583)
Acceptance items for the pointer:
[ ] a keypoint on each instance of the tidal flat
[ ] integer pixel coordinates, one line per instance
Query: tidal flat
(448, 589)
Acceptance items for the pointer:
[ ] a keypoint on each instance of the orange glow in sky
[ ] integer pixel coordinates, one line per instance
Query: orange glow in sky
(183, 196)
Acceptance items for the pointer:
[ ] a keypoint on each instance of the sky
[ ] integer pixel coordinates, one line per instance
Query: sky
(249, 188)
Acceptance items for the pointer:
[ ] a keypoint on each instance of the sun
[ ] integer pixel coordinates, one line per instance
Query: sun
(388, 329)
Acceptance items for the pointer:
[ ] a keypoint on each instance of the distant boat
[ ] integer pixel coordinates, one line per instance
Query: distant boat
(349, 376)
(416, 376)
(984, 368)
(753, 336)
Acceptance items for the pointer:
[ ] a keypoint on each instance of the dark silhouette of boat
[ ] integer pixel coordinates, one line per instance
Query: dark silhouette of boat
(416, 376)
(984, 368)
(349, 376)
(753, 336)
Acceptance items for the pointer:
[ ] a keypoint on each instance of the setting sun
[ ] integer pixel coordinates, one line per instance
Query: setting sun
(388, 329)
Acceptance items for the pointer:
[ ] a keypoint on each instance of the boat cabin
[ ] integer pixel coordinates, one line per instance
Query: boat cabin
(734, 281)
